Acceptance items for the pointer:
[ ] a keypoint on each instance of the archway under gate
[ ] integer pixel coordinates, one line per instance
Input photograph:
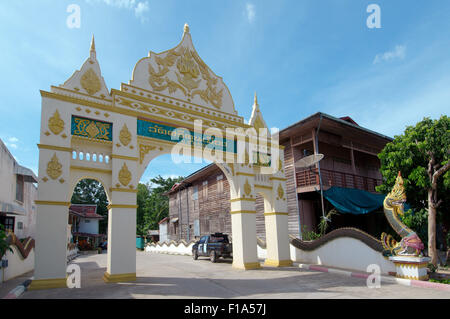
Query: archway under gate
(127, 129)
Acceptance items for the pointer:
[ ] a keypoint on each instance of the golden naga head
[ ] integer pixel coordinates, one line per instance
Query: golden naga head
(397, 196)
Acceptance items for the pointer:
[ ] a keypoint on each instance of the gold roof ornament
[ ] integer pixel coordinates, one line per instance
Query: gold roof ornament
(90, 82)
(247, 188)
(92, 50)
(186, 28)
(256, 119)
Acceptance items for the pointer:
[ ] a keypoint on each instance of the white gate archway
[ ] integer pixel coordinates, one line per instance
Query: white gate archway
(119, 132)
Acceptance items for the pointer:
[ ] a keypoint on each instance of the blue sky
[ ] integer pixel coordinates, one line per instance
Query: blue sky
(301, 57)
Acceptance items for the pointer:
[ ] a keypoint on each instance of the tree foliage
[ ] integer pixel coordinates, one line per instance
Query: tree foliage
(421, 154)
(153, 205)
(4, 246)
(91, 191)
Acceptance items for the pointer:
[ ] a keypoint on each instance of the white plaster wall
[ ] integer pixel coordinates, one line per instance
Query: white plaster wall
(16, 264)
(170, 248)
(90, 227)
(347, 253)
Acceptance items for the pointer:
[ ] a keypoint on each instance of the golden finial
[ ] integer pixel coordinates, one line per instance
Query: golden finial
(186, 28)
(256, 99)
(93, 53)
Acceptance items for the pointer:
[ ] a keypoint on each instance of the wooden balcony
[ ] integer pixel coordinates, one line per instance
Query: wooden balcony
(308, 180)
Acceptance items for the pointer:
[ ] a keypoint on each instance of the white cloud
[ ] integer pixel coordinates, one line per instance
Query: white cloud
(398, 53)
(250, 10)
(12, 145)
(13, 139)
(140, 8)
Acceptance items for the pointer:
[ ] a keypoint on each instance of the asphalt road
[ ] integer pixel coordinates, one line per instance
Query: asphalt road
(169, 276)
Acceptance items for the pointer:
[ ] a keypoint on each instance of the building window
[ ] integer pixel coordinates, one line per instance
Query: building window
(19, 225)
(205, 190)
(8, 222)
(220, 184)
(19, 188)
(195, 193)
(87, 221)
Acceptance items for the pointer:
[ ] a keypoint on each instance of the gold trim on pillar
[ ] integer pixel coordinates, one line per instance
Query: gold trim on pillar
(275, 213)
(242, 198)
(129, 158)
(121, 206)
(243, 212)
(55, 148)
(246, 266)
(91, 169)
(119, 277)
(278, 179)
(244, 174)
(277, 263)
(54, 203)
(124, 190)
(38, 284)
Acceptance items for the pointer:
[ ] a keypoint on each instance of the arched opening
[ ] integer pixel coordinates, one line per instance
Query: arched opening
(198, 203)
(88, 217)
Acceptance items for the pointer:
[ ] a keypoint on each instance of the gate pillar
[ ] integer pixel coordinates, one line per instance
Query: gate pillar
(243, 222)
(52, 217)
(276, 222)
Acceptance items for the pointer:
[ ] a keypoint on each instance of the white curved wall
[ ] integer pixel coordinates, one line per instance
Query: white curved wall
(345, 252)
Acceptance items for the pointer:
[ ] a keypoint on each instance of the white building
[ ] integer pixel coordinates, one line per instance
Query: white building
(17, 195)
(84, 222)
(163, 230)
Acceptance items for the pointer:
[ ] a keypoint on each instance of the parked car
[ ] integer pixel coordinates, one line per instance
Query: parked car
(213, 246)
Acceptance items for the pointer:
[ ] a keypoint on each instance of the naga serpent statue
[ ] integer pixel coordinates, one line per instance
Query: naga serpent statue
(410, 245)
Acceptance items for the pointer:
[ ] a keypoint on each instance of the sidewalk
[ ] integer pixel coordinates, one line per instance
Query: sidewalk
(7, 286)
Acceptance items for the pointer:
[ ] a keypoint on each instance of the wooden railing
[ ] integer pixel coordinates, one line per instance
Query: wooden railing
(310, 177)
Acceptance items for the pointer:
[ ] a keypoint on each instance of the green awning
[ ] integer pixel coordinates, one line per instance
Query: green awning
(353, 201)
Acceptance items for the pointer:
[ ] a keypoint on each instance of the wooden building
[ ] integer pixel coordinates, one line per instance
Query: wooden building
(199, 205)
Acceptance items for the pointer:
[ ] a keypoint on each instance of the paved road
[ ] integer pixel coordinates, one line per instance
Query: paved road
(169, 276)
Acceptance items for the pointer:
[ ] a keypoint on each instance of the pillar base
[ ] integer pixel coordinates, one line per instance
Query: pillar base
(119, 277)
(38, 284)
(277, 263)
(247, 266)
(410, 267)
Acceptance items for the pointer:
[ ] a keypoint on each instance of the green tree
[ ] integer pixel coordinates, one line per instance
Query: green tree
(153, 204)
(91, 191)
(4, 246)
(422, 154)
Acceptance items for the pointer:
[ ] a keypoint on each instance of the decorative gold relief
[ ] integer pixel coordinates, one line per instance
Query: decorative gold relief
(189, 67)
(125, 135)
(90, 82)
(64, 136)
(54, 167)
(55, 123)
(143, 150)
(247, 188)
(45, 179)
(61, 180)
(280, 192)
(47, 133)
(124, 175)
(92, 129)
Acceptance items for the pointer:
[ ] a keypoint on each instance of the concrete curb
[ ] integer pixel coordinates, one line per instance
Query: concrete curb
(19, 290)
(390, 279)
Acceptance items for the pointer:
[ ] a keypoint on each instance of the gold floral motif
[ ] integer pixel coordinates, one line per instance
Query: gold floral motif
(125, 135)
(189, 67)
(280, 192)
(247, 188)
(90, 82)
(55, 123)
(143, 150)
(54, 167)
(92, 130)
(45, 179)
(124, 175)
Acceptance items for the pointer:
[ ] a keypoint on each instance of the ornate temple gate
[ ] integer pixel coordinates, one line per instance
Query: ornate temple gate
(89, 132)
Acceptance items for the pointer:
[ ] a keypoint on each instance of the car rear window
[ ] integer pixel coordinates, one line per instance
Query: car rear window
(219, 239)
